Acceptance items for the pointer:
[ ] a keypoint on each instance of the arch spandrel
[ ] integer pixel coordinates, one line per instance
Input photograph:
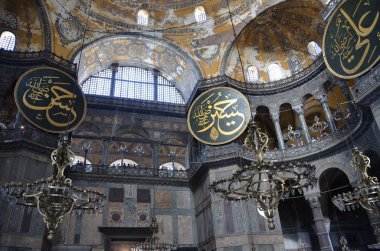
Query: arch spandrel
(139, 51)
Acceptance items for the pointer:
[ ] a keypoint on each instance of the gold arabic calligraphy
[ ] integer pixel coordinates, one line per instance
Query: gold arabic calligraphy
(220, 114)
(351, 38)
(59, 110)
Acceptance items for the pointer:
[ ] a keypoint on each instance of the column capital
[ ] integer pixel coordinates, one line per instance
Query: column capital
(275, 116)
(114, 66)
(321, 98)
(313, 200)
(299, 109)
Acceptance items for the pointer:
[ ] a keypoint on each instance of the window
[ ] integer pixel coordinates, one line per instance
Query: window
(172, 166)
(133, 83)
(294, 65)
(314, 49)
(125, 162)
(7, 41)
(200, 14)
(142, 17)
(99, 84)
(274, 72)
(252, 74)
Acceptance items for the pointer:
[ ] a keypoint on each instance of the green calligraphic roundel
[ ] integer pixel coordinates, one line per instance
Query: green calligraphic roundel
(50, 99)
(351, 42)
(218, 116)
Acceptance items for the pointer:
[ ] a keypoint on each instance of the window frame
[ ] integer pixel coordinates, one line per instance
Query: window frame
(152, 88)
(3, 35)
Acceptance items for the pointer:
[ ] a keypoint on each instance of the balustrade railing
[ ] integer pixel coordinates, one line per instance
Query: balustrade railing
(126, 170)
(28, 135)
(234, 150)
(366, 85)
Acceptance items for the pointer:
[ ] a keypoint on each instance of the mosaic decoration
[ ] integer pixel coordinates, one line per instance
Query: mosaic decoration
(8, 19)
(69, 29)
(208, 53)
(175, 65)
(351, 38)
(278, 34)
(50, 99)
(218, 116)
(111, 14)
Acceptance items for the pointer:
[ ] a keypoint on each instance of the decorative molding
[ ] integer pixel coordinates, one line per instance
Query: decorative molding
(309, 74)
(31, 59)
(45, 24)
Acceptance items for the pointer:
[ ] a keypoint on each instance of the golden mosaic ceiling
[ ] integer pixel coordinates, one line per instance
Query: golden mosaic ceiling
(279, 35)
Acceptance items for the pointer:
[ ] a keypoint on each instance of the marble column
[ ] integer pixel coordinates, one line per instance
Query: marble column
(154, 147)
(326, 110)
(319, 223)
(276, 120)
(106, 150)
(374, 220)
(299, 109)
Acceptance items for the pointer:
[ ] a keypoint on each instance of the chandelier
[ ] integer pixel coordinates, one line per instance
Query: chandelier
(291, 134)
(263, 181)
(54, 197)
(318, 126)
(152, 243)
(366, 193)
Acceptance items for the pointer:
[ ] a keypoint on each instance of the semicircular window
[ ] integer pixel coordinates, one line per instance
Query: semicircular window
(133, 83)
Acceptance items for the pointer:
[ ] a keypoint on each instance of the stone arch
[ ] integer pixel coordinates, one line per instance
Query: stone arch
(140, 51)
(135, 132)
(88, 129)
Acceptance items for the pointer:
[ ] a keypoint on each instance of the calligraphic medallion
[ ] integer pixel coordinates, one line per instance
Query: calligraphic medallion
(351, 40)
(218, 116)
(50, 99)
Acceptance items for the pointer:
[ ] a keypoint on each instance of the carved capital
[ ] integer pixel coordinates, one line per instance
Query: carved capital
(275, 116)
(313, 200)
(321, 98)
(299, 109)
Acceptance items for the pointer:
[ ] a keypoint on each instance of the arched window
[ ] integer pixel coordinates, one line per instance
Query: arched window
(142, 17)
(125, 161)
(274, 72)
(133, 83)
(172, 166)
(314, 49)
(252, 74)
(200, 14)
(78, 163)
(7, 41)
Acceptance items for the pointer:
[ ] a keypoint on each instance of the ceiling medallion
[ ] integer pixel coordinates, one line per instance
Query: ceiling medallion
(263, 181)
(54, 197)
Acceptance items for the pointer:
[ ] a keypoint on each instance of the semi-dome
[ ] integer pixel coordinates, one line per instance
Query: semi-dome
(281, 41)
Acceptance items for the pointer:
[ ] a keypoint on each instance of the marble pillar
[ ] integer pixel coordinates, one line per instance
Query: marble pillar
(319, 223)
(106, 149)
(299, 109)
(276, 120)
(326, 110)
